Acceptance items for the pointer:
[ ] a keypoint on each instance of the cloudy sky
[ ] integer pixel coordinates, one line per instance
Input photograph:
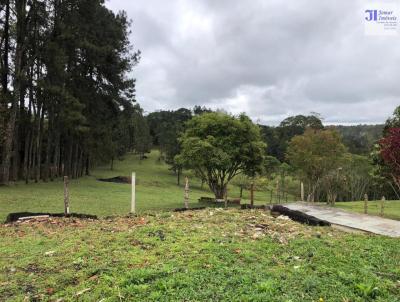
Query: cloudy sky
(268, 58)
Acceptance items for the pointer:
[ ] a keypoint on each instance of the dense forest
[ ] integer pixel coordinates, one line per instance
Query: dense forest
(66, 101)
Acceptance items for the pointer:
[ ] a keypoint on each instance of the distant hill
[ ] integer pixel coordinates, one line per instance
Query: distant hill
(359, 138)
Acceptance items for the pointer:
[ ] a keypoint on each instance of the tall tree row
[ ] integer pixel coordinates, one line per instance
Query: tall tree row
(64, 92)
(165, 128)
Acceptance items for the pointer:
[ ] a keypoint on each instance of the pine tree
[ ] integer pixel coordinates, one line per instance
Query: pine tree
(69, 86)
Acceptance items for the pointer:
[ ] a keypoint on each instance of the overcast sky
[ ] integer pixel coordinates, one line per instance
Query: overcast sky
(268, 58)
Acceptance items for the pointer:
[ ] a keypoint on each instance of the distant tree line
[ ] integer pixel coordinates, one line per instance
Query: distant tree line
(277, 138)
(359, 139)
(66, 102)
(335, 163)
(166, 126)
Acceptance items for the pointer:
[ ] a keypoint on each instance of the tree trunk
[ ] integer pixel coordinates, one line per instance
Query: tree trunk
(15, 156)
(18, 69)
(31, 157)
(68, 163)
(4, 73)
(8, 143)
(56, 159)
(87, 167)
(179, 177)
(39, 141)
(75, 162)
(219, 191)
(46, 170)
(9, 136)
(6, 37)
(26, 155)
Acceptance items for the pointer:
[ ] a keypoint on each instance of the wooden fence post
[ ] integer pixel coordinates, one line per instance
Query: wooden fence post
(302, 191)
(383, 206)
(186, 195)
(66, 196)
(366, 204)
(133, 196)
(252, 193)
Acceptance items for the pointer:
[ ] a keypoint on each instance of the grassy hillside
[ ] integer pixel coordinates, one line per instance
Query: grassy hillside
(210, 255)
(156, 189)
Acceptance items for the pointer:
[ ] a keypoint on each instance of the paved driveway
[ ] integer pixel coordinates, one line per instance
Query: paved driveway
(367, 223)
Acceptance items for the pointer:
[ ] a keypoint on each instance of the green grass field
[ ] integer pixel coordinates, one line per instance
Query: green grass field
(156, 190)
(391, 208)
(209, 255)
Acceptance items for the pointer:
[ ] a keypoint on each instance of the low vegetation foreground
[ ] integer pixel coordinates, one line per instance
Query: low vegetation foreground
(208, 255)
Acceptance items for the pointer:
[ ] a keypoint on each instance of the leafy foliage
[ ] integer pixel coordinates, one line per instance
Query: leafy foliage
(219, 147)
(393, 121)
(303, 122)
(277, 138)
(271, 166)
(390, 153)
(359, 139)
(314, 154)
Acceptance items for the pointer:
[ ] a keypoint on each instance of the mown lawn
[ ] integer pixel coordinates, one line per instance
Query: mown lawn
(391, 208)
(209, 255)
(156, 190)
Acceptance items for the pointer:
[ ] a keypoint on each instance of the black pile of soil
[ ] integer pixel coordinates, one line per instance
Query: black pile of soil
(117, 179)
(300, 216)
(190, 209)
(12, 217)
(249, 207)
(207, 200)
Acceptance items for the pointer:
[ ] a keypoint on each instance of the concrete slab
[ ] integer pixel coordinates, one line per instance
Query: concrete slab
(362, 222)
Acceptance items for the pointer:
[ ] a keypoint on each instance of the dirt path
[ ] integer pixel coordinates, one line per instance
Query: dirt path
(367, 223)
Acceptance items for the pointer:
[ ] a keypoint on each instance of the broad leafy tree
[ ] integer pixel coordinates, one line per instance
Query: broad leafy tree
(219, 146)
(390, 153)
(315, 154)
(385, 158)
(303, 122)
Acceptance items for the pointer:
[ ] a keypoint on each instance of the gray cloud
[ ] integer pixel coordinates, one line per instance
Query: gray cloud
(270, 59)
